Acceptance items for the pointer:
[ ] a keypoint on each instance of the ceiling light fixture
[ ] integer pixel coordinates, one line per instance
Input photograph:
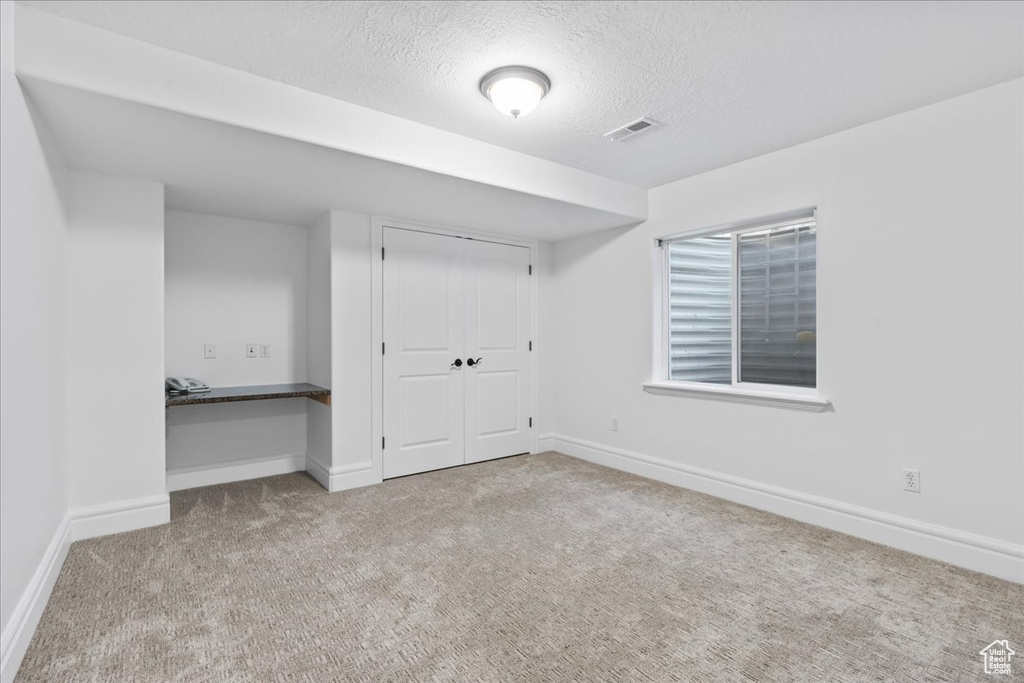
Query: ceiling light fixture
(515, 90)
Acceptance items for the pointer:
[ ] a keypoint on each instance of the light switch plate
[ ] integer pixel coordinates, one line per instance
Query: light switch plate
(250, 350)
(209, 351)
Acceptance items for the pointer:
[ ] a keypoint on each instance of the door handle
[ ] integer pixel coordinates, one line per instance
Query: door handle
(457, 363)
(470, 362)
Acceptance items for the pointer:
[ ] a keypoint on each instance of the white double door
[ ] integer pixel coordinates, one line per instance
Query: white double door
(456, 351)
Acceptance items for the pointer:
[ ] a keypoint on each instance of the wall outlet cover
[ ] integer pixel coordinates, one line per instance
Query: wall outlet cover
(264, 350)
(912, 480)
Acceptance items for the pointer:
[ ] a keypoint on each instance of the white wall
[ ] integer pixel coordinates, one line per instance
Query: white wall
(351, 350)
(545, 354)
(33, 462)
(318, 301)
(115, 333)
(228, 282)
(920, 324)
(232, 281)
(318, 345)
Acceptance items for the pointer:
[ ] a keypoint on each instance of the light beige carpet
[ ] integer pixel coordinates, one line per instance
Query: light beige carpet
(536, 568)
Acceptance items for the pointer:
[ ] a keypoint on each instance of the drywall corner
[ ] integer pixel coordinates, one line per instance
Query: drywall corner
(318, 347)
(351, 353)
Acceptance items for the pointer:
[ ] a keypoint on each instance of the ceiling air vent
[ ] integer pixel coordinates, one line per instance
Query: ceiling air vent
(630, 129)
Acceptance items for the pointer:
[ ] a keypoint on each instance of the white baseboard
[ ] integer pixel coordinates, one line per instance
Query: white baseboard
(22, 624)
(970, 551)
(113, 518)
(238, 470)
(318, 472)
(343, 477)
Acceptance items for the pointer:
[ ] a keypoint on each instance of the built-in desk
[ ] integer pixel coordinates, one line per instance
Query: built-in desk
(261, 392)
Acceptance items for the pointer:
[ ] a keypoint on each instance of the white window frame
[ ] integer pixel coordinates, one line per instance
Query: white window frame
(796, 398)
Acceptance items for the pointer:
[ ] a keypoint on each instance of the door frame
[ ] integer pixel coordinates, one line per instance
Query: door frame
(377, 225)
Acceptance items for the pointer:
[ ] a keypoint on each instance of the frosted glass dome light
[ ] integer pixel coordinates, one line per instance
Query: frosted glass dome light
(515, 90)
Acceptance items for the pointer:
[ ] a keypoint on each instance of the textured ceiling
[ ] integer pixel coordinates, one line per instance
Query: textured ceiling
(729, 80)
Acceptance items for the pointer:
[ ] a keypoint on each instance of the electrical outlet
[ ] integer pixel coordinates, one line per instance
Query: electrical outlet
(615, 424)
(264, 350)
(209, 351)
(912, 481)
(250, 350)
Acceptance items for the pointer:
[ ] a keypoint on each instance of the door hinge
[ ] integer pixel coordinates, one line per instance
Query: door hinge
(530, 271)
(531, 345)
(531, 421)
(382, 446)
(382, 253)
(382, 348)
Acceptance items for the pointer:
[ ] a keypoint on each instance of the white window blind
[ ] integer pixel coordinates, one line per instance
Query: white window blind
(700, 309)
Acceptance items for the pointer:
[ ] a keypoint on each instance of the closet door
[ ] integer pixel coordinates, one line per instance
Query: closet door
(424, 331)
(497, 344)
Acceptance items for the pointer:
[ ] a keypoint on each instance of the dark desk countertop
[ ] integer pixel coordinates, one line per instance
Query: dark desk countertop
(259, 392)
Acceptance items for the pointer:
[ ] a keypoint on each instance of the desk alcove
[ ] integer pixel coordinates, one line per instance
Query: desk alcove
(232, 284)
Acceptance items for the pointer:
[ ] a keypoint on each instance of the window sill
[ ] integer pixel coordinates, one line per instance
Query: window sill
(807, 401)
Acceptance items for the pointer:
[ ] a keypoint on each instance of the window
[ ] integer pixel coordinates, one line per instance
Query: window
(739, 308)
